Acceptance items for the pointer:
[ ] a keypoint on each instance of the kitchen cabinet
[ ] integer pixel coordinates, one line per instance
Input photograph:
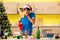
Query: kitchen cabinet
(11, 7)
(47, 8)
(38, 7)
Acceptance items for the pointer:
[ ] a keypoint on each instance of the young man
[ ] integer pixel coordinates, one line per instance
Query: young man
(28, 20)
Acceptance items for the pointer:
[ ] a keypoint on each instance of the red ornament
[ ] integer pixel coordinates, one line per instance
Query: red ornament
(3, 17)
(20, 26)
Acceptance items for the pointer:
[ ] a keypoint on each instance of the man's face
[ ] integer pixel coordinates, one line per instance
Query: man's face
(26, 11)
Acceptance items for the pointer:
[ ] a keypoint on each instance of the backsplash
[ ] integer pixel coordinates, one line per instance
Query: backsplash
(45, 19)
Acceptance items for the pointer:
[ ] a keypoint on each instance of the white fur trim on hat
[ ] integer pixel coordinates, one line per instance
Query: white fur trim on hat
(26, 6)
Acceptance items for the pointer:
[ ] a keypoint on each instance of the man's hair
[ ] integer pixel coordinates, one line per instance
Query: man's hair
(27, 8)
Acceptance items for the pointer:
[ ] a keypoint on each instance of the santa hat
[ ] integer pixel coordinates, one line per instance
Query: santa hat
(28, 6)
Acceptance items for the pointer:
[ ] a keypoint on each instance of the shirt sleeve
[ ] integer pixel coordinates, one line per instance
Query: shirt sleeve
(32, 15)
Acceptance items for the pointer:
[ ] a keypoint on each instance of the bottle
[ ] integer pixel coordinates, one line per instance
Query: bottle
(25, 34)
(38, 33)
(20, 36)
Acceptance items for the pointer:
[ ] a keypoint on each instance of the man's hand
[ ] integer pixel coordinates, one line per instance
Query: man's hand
(32, 20)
